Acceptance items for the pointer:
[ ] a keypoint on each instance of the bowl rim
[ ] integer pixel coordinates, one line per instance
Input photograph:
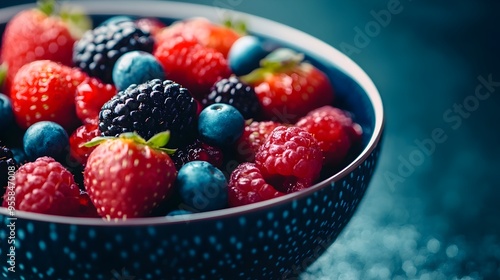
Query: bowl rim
(172, 9)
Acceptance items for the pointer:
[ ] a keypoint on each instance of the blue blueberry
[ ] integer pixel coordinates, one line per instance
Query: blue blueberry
(179, 212)
(45, 139)
(220, 124)
(6, 113)
(246, 52)
(202, 186)
(116, 19)
(136, 67)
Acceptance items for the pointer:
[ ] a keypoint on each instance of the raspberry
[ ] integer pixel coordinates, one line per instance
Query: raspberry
(45, 186)
(89, 98)
(82, 135)
(334, 130)
(253, 137)
(247, 185)
(197, 150)
(290, 159)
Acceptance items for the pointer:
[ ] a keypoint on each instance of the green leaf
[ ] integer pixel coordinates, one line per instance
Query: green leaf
(77, 20)
(282, 58)
(239, 26)
(167, 150)
(159, 140)
(47, 6)
(96, 141)
(134, 137)
(3, 73)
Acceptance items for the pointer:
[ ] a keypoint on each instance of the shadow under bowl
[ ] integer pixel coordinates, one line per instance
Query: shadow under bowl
(278, 238)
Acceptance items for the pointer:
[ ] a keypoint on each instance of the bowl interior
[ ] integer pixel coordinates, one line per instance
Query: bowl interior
(355, 92)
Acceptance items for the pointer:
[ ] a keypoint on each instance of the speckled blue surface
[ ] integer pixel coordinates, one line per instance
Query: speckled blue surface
(440, 222)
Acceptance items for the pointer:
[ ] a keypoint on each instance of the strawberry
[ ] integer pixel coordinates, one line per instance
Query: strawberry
(44, 90)
(44, 186)
(287, 87)
(127, 177)
(78, 138)
(43, 33)
(334, 130)
(254, 135)
(290, 159)
(192, 65)
(89, 98)
(203, 31)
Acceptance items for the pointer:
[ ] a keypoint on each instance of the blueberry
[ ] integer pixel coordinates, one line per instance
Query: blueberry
(179, 212)
(220, 124)
(136, 67)
(19, 155)
(45, 139)
(6, 113)
(116, 19)
(246, 52)
(202, 186)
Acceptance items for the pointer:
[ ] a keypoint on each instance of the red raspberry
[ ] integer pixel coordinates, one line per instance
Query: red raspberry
(89, 98)
(192, 65)
(82, 135)
(197, 151)
(290, 159)
(45, 186)
(334, 130)
(247, 185)
(253, 137)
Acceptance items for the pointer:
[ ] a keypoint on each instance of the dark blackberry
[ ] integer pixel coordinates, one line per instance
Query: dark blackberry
(234, 92)
(98, 50)
(197, 150)
(150, 108)
(7, 163)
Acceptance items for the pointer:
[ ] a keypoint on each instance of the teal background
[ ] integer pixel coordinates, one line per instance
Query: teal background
(437, 218)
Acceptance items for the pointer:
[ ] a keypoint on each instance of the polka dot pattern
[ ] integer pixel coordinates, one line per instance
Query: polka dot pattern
(277, 243)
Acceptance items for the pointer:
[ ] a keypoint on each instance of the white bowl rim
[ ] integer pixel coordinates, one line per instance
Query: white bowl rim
(170, 9)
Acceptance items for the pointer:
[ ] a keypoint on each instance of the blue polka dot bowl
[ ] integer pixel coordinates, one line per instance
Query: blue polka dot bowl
(274, 239)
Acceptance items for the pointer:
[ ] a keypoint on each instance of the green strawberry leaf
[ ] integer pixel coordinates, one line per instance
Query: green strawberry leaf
(3, 73)
(78, 22)
(280, 60)
(159, 140)
(47, 6)
(134, 137)
(239, 26)
(96, 141)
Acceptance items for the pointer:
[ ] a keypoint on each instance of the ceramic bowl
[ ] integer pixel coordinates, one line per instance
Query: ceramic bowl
(274, 239)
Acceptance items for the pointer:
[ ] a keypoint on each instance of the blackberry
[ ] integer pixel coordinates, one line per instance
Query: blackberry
(7, 163)
(197, 150)
(98, 50)
(150, 108)
(234, 92)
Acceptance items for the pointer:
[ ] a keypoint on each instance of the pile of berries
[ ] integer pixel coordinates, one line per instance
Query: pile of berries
(134, 118)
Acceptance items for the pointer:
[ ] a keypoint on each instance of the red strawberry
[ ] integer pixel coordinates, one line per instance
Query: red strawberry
(334, 130)
(89, 98)
(44, 90)
(253, 137)
(203, 31)
(247, 185)
(290, 159)
(80, 136)
(40, 34)
(288, 88)
(127, 177)
(192, 65)
(45, 186)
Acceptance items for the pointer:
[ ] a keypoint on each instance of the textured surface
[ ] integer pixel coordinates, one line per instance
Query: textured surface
(441, 221)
